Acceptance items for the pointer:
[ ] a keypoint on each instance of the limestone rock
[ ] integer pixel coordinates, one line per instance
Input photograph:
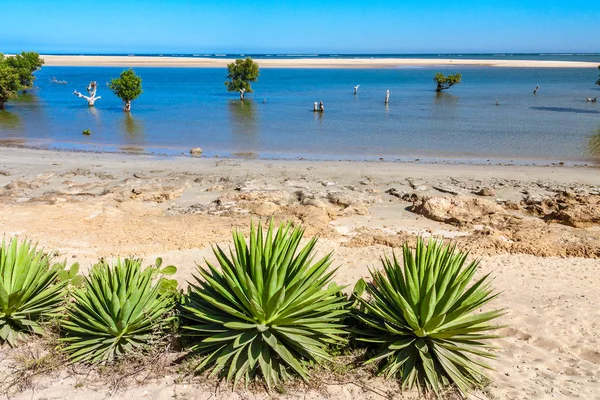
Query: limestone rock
(485, 191)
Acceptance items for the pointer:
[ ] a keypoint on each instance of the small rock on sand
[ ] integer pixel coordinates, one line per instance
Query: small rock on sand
(485, 191)
(196, 151)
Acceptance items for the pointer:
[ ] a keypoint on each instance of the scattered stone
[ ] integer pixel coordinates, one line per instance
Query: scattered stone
(4, 173)
(196, 151)
(446, 189)
(455, 211)
(216, 188)
(406, 196)
(327, 183)
(485, 191)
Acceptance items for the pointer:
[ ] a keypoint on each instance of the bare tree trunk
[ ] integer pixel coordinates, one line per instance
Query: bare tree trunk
(2, 106)
(127, 107)
(91, 89)
(387, 97)
(242, 91)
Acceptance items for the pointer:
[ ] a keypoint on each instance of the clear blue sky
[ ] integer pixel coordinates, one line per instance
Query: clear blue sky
(292, 26)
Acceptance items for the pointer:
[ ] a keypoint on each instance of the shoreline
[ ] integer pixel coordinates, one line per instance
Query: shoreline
(338, 63)
(402, 159)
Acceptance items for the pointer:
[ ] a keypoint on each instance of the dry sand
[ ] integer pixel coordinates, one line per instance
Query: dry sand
(200, 62)
(91, 205)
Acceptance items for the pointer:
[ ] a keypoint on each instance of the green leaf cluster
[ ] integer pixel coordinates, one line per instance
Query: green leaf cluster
(269, 309)
(423, 318)
(30, 289)
(16, 74)
(445, 82)
(240, 73)
(25, 64)
(119, 309)
(127, 87)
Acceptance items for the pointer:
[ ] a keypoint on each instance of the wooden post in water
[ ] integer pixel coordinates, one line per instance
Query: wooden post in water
(356, 89)
(316, 107)
(387, 97)
(535, 90)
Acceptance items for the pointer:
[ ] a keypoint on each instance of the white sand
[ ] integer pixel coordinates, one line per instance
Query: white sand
(199, 62)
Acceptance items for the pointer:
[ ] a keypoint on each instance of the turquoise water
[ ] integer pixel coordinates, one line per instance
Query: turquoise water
(183, 108)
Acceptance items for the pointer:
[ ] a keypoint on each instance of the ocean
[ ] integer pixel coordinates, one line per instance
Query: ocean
(183, 108)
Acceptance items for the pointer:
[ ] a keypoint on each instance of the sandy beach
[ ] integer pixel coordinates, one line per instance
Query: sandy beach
(536, 229)
(200, 62)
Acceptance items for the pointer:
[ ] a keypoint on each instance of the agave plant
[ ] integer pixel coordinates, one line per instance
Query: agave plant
(29, 289)
(268, 310)
(120, 308)
(421, 317)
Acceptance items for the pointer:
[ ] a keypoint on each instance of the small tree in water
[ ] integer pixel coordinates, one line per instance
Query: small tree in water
(127, 87)
(240, 74)
(9, 83)
(445, 82)
(25, 64)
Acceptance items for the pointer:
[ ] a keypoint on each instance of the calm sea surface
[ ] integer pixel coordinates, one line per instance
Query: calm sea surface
(183, 108)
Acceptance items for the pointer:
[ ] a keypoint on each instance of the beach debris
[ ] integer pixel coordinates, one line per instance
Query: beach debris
(387, 97)
(91, 89)
(54, 80)
(497, 102)
(590, 100)
(485, 191)
(196, 151)
(86, 132)
(356, 89)
(446, 189)
(535, 90)
(410, 197)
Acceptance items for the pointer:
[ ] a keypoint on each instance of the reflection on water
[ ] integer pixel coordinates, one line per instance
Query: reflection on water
(25, 98)
(9, 120)
(243, 117)
(133, 127)
(95, 113)
(593, 146)
(566, 110)
(446, 99)
(134, 134)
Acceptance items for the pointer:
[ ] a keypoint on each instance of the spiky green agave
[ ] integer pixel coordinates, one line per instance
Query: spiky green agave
(268, 309)
(29, 289)
(119, 309)
(421, 317)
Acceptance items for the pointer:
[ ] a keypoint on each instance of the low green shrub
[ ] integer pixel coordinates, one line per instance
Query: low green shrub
(421, 318)
(268, 310)
(119, 309)
(30, 289)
